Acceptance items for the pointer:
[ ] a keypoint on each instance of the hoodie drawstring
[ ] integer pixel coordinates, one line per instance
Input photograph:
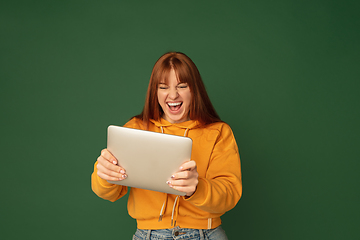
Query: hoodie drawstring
(176, 205)
(186, 130)
(176, 202)
(163, 208)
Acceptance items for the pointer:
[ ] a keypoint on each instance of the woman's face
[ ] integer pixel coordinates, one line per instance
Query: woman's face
(174, 99)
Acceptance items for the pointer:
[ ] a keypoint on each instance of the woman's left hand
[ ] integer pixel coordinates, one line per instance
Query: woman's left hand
(186, 179)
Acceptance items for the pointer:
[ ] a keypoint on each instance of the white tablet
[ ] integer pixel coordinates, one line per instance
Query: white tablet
(149, 158)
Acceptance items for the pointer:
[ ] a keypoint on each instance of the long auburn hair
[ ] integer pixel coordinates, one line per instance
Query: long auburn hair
(201, 108)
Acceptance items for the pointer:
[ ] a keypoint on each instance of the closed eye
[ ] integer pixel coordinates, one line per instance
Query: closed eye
(182, 85)
(163, 86)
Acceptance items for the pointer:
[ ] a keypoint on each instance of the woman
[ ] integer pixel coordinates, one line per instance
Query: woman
(177, 103)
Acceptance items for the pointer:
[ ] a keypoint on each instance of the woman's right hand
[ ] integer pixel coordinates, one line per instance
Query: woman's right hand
(108, 169)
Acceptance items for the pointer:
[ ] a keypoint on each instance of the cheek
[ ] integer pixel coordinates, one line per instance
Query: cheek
(161, 99)
(188, 99)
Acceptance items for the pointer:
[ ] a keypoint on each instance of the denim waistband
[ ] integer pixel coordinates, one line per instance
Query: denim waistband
(180, 233)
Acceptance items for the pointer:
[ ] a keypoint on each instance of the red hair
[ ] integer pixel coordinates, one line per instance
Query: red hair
(201, 108)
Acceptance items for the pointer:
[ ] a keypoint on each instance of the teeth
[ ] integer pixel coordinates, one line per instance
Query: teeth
(173, 104)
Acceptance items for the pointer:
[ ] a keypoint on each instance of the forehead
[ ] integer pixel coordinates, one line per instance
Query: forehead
(165, 76)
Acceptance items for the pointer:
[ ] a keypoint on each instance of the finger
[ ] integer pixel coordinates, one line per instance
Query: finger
(110, 178)
(184, 188)
(189, 171)
(109, 166)
(102, 170)
(108, 170)
(178, 183)
(183, 182)
(188, 165)
(108, 156)
(184, 175)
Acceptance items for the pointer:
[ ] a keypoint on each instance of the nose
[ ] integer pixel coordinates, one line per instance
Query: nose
(173, 94)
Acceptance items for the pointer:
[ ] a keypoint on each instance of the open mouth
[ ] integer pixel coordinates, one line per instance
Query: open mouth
(174, 106)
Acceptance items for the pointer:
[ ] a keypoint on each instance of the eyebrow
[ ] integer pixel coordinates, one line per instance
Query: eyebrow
(163, 83)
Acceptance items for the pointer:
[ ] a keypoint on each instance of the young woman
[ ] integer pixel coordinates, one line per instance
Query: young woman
(177, 103)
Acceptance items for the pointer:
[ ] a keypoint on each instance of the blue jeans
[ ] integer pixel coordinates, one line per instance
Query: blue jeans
(180, 233)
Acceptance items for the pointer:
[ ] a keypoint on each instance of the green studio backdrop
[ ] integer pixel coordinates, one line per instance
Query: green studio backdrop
(283, 74)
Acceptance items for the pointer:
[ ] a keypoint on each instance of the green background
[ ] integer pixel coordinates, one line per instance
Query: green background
(283, 74)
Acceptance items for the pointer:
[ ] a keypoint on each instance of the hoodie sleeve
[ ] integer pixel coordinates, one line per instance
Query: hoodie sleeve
(106, 190)
(221, 188)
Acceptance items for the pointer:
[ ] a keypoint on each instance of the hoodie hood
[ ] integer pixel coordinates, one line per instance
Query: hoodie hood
(191, 124)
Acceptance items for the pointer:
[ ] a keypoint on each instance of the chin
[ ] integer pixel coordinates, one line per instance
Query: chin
(178, 120)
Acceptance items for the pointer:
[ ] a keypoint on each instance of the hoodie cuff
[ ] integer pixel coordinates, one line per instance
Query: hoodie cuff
(200, 194)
